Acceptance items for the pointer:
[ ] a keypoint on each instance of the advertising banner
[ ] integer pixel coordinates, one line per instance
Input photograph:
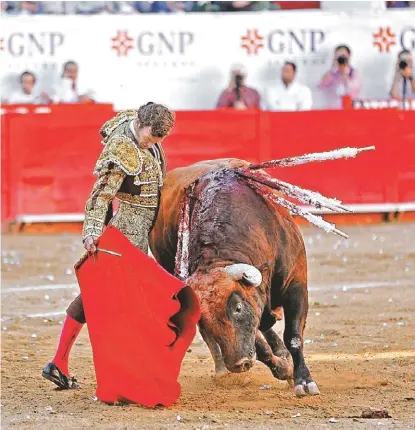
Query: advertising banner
(184, 60)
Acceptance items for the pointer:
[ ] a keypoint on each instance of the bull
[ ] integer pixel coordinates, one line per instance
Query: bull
(247, 261)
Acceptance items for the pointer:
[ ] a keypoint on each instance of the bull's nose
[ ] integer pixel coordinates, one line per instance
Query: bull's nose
(242, 365)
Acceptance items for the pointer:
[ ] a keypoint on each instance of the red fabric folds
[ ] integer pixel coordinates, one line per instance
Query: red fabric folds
(141, 321)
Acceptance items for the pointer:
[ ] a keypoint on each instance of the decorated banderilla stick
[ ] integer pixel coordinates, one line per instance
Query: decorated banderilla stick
(303, 195)
(310, 158)
(318, 221)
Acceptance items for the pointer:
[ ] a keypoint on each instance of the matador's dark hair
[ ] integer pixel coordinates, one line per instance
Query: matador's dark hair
(158, 117)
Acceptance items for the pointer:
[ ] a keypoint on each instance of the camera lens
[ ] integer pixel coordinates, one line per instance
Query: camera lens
(403, 64)
(342, 59)
(238, 79)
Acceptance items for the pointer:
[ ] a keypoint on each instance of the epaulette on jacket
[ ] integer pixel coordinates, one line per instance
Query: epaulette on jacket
(108, 128)
(123, 152)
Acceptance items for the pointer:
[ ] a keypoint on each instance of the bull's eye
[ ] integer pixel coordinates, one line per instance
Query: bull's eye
(238, 308)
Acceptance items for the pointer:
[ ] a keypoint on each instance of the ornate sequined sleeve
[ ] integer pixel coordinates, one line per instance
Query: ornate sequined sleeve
(106, 187)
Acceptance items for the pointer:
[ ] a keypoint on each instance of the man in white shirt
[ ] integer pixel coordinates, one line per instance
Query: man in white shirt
(67, 90)
(288, 95)
(25, 94)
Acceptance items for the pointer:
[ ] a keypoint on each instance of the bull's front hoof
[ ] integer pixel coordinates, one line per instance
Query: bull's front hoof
(312, 389)
(302, 390)
(299, 391)
(282, 369)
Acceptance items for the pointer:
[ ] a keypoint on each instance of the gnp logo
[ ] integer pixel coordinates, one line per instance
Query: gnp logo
(41, 44)
(283, 42)
(154, 45)
(384, 39)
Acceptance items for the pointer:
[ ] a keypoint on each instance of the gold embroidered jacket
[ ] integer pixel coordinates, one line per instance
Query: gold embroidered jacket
(124, 171)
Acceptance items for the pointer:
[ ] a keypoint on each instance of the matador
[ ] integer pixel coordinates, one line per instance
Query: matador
(131, 169)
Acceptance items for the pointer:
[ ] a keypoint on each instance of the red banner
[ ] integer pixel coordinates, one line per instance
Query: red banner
(47, 158)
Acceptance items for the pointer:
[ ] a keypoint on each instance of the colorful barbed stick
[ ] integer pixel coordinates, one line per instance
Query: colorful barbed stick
(310, 158)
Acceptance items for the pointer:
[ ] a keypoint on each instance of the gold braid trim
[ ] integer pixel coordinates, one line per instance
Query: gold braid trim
(105, 189)
(124, 153)
(108, 128)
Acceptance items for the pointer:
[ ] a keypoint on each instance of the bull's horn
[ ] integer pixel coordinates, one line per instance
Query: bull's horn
(248, 273)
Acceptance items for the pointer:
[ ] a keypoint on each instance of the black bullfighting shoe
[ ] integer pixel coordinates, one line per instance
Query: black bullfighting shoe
(54, 374)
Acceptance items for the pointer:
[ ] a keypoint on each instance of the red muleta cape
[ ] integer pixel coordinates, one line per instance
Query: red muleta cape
(141, 321)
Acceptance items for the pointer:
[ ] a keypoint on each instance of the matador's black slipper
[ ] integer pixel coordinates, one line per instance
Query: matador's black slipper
(52, 373)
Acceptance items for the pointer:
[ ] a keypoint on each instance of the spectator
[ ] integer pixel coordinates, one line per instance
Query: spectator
(287, 94)
(5, 6)
(171, 6)
(342, 79)
(54, 8)
(397, 4)
(142, 6)
(126, 7)
(246, 6)
(68, 88)
(30, 7)
(26, 94)
(96, 7)
(238, 95)
(206, 6)
(403, 81)
(84, 7)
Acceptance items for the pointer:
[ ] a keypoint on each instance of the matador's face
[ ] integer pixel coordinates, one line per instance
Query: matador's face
(145, 139)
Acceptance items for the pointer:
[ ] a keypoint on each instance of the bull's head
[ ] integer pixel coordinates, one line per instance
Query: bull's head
(231, 308)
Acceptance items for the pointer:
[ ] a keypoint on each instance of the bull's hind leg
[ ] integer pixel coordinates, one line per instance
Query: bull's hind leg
(281, 367)
(295, 305)
(214, 349)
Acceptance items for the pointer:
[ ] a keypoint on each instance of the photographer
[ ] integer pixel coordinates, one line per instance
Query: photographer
(342, 79)
(238, 95)
(403, 82)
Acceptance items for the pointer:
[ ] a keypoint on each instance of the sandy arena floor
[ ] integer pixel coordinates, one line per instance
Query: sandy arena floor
(360, 344)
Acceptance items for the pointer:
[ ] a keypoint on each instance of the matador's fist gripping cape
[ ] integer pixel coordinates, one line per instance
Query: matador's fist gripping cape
(141, 321)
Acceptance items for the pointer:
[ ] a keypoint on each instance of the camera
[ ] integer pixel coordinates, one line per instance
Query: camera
(342, 60)
(402, 65)
(238, 86)
(238, 80)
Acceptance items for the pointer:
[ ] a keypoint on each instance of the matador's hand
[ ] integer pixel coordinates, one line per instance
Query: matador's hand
(90, 244)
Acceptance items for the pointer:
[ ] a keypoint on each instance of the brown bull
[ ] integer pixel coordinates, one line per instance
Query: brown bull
(246, 260)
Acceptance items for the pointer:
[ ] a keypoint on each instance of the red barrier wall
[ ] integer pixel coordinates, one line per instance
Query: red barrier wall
(48, 158)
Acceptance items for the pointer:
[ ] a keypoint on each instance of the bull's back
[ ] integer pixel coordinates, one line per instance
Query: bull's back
(163, 238)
